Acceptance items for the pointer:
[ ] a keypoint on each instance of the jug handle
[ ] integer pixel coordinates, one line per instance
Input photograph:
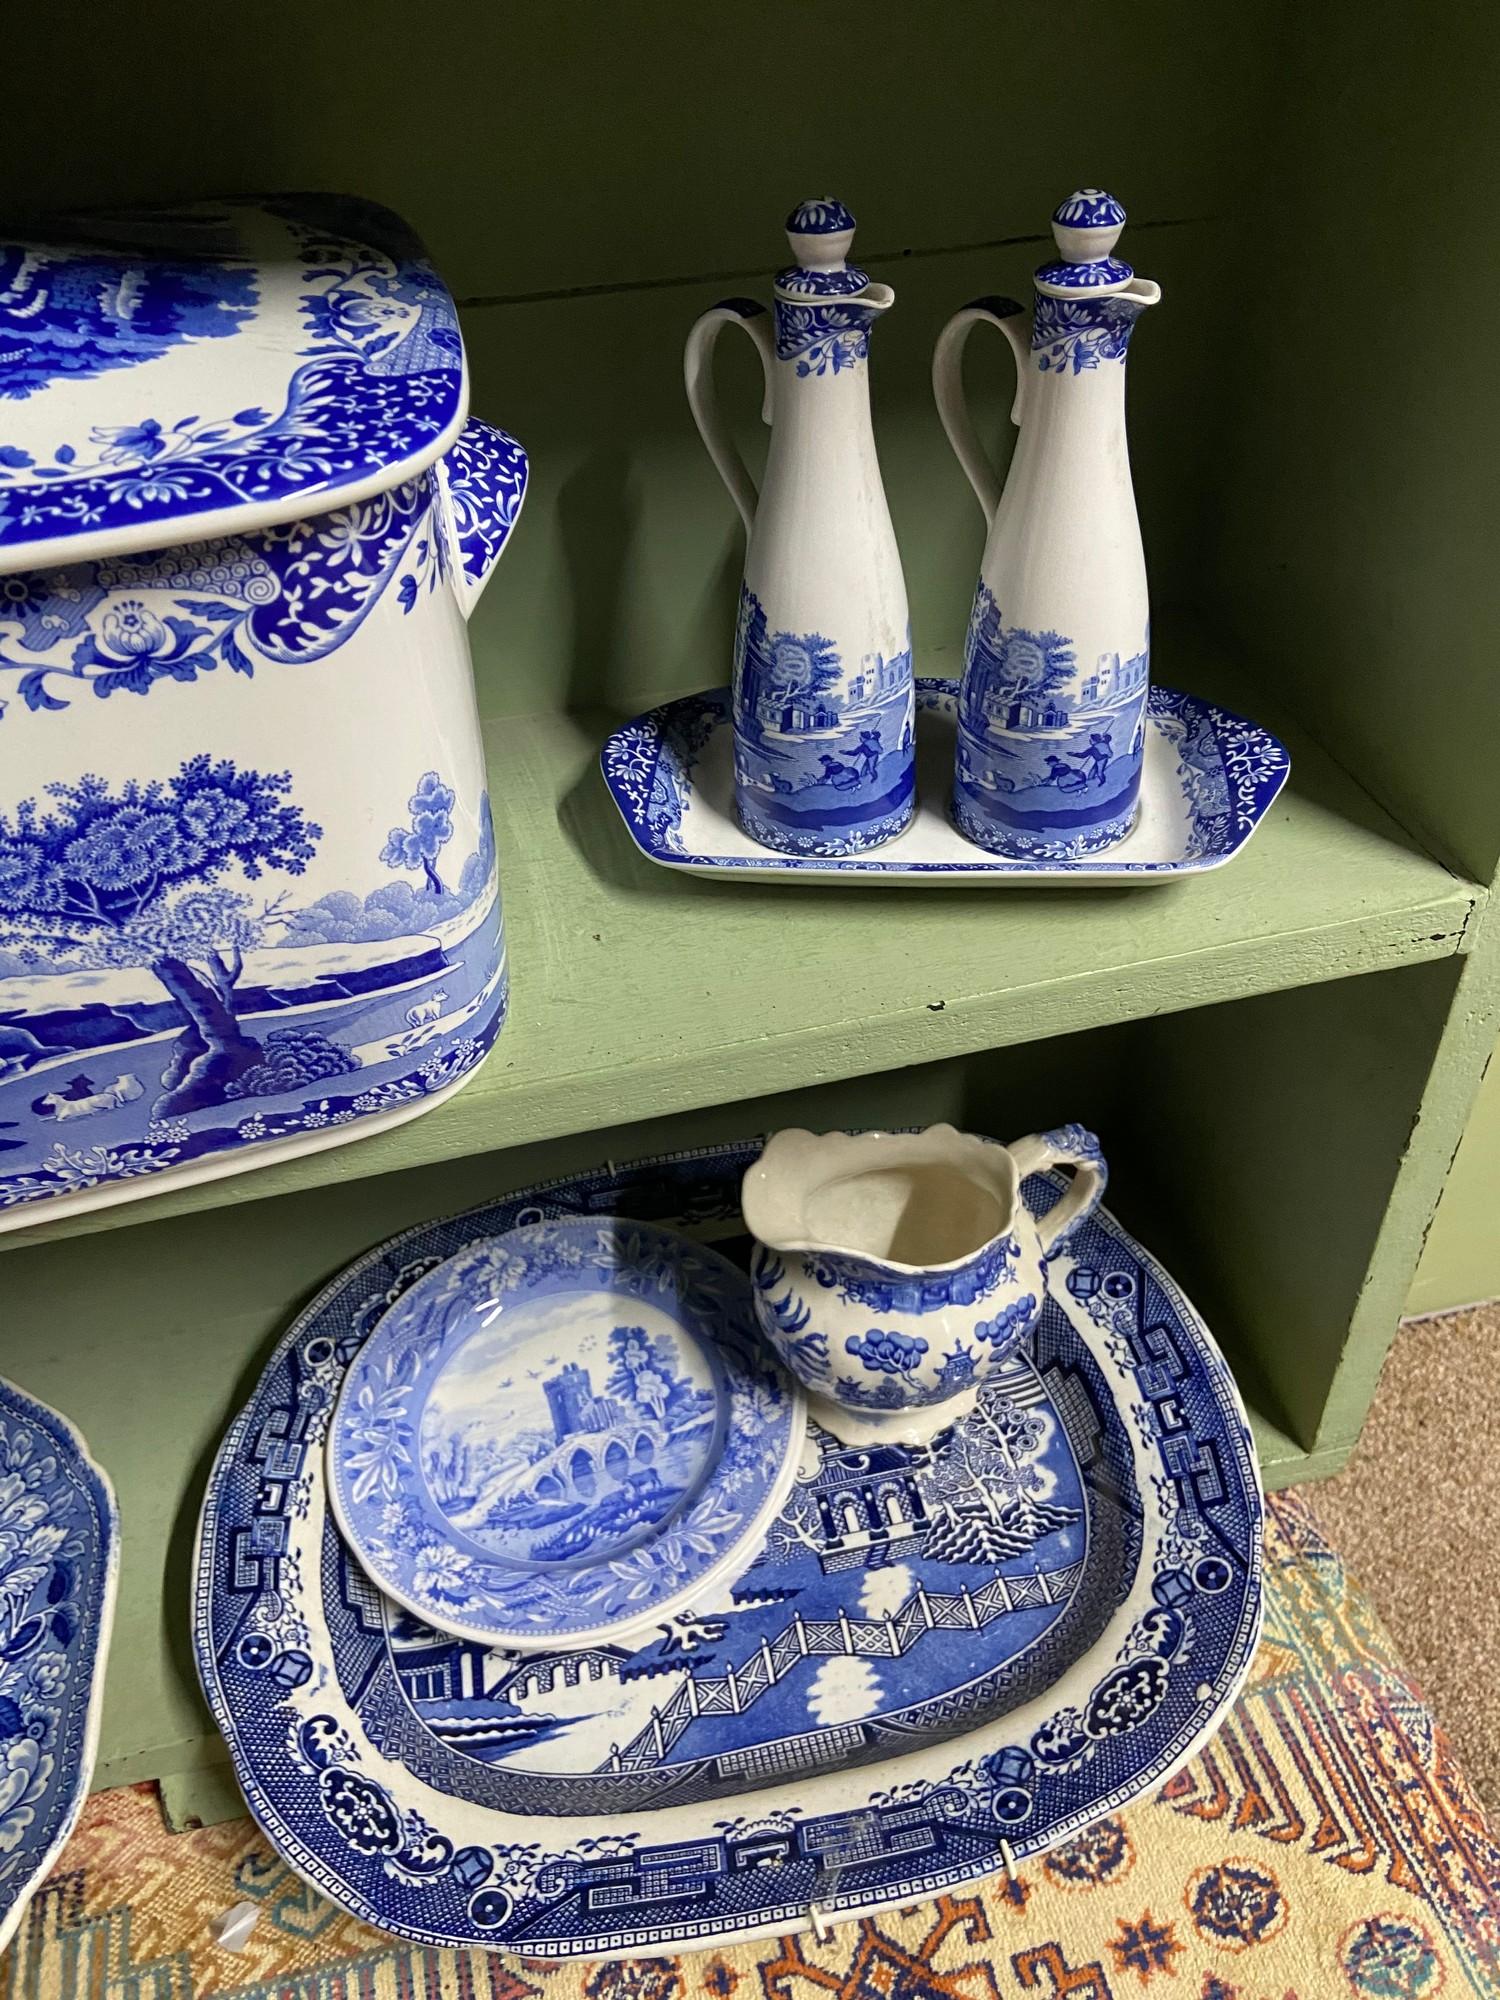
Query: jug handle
(698, 372)
(1069, 1146)
(948, 388)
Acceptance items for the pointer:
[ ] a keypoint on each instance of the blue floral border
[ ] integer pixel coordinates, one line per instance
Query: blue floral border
(51, 1663)
(70, 1170)
(356, 407)
(510, 1603)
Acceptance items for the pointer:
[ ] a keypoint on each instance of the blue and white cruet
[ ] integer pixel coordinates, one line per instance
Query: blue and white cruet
(822, 657)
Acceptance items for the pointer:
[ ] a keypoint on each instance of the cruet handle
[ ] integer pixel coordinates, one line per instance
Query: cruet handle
(1069, 1146)
(948, 388)
(698, 371)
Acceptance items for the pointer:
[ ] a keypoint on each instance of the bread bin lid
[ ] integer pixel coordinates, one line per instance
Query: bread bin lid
(170, 374)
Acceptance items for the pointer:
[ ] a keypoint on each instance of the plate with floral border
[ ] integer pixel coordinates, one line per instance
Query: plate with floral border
(330, 1707)
(564, 1435)
(59, 1558)
(1208, 780)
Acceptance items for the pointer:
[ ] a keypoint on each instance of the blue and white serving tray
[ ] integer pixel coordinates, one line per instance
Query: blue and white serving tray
(943, 1658)
(59, 1557)
(563, 1436)
(1209, 778)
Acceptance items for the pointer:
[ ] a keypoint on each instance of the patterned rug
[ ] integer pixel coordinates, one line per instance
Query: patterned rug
(1324, 1845)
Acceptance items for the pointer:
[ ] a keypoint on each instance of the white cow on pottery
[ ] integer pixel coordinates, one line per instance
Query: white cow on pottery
(124, 1090)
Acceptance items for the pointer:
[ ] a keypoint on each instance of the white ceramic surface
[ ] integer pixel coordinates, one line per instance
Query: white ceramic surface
(1058, 650)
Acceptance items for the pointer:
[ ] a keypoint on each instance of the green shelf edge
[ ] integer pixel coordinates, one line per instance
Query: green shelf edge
(638, 992)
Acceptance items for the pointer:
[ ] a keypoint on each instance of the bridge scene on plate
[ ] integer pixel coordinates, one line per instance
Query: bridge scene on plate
(530, 1456)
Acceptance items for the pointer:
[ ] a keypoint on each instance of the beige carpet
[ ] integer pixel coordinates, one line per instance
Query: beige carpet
(1416, 1516)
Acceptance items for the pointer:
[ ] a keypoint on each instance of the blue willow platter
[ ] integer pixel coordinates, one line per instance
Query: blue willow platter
(563, 1436)
(59, 1556)
(944, 1657)
(172, 374)
(1209, 778)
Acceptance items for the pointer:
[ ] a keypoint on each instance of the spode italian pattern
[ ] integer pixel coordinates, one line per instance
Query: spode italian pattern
(563, 1435)
(822, 644)
(248, 885)
(462, 1796)
(1052, 713)
(371, 379)
(1209, 777)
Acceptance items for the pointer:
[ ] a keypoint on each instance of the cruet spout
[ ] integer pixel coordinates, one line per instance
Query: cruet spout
(482, 484)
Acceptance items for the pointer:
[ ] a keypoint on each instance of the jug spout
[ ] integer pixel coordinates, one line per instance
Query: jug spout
(482, 483)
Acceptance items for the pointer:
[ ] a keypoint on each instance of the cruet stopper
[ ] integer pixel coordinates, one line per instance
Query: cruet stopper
(821, 235)
(1086, 227)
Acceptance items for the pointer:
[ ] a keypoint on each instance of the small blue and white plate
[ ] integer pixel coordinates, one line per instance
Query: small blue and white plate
(1208, 780)
(563, 1436)
(59, 1556)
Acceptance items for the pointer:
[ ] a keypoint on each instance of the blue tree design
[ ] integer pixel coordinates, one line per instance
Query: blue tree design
(641, 1369)
(774, 668)
(1003, 662)
(108, 878)
(804, 663)
(419, 844)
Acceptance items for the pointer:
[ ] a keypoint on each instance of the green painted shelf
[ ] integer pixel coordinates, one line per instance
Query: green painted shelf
(639, 992)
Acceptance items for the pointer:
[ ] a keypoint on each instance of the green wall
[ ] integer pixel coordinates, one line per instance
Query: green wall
(1461, 1261)
(1363, 542)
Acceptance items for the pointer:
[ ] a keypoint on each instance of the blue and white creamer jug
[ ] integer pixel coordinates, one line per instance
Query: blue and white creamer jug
(1056, 663)
(822, 658)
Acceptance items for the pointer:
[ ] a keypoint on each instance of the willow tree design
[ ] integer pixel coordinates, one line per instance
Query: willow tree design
(105, 878)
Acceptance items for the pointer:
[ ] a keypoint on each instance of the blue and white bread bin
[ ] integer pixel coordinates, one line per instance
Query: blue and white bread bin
(249, 903)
